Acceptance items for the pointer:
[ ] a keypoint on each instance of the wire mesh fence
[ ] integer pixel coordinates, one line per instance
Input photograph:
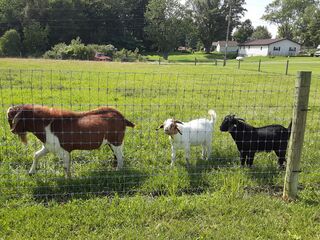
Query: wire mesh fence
(148, 99)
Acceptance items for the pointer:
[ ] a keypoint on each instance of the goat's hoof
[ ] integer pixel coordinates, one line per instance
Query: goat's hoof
(281, 167)
(31, 173)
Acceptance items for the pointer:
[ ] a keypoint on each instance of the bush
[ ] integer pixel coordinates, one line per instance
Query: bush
(77, 50)
(58, 51)
(109, 49)
(10, 44)
(125, 55)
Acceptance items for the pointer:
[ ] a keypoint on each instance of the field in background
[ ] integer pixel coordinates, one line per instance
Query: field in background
(181, 63)
(214, 199)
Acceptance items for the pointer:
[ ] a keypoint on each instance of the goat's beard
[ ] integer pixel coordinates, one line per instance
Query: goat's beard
(23, 138)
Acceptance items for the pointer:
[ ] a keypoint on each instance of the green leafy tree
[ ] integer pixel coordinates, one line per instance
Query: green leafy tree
(10, 43)
(11, 15)
(35, 39)
(309, 26)
(287, 15)
(261, 32)
(211, 18)
(244, 31)
(164, 24)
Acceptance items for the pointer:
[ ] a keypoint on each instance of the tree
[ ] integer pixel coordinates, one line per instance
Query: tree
(164, 24)
(11, 15)
(309, 26)
(35, 39)
(287, 15)
(261, 32)
(10, 43)
(244, 32)
(211, 18)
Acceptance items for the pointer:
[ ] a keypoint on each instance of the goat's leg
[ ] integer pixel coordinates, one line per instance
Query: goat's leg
(209, 150)
(250, 159)
(43, 151)
(118, 152)
(281, 158)
(65, 156)
(173, 155)
(242, 159)
(204, 152)
(187, 152)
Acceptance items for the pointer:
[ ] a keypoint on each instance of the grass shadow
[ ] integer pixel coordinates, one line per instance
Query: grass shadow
(96, 183)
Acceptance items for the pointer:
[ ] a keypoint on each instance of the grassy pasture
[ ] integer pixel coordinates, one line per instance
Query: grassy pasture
(207, 200)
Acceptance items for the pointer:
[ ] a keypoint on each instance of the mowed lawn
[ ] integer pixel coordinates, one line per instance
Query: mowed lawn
(214, 199)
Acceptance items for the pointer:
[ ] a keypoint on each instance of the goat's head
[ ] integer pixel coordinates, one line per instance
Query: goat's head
(170, 127)
(230, 123)
(16, 121)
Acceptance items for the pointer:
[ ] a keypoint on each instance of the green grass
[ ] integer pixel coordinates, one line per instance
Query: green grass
(148, 199)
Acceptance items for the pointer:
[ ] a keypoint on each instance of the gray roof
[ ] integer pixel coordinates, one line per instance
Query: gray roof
(223, 43)
(262, 42)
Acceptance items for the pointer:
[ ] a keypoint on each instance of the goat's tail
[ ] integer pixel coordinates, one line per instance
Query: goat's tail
(213, 116)
(128, 123)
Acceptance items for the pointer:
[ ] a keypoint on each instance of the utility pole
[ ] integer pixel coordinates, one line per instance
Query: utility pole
(227, 37)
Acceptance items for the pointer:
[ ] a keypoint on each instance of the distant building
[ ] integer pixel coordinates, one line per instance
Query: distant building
(220, 46)
(269, 47)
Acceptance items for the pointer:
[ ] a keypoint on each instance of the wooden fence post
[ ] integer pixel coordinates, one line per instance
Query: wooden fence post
(239, 64)
(259, 68)
(287, 67)
(297, 135)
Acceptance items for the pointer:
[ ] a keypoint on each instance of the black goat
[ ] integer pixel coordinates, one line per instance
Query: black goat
(250, 139)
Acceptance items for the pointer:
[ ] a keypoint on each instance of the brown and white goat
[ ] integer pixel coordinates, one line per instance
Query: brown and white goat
(62, 131)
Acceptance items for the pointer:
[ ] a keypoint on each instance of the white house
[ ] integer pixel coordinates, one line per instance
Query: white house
(269, 47)
(220, 46)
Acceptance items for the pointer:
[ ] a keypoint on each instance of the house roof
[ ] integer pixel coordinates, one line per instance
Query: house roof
(230, 43)
(264, 42)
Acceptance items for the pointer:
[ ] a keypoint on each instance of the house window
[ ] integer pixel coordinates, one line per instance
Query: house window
(261, 48)
(292, 49)
(276, 48)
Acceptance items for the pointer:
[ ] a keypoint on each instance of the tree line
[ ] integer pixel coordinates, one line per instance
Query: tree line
(149, 25)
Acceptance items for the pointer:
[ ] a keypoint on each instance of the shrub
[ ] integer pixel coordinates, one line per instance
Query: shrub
(10, 44)
(77, 50)
(106, 49)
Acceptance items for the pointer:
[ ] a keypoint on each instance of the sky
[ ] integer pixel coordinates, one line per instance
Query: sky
(255, 9)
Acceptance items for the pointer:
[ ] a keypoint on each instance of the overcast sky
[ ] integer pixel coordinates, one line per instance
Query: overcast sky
(255, 9)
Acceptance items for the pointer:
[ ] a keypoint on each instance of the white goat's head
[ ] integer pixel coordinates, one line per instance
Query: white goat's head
(170, 127)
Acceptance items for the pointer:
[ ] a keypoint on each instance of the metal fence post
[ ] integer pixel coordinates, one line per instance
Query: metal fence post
(239, 64)
(297, 135)
(259, 68)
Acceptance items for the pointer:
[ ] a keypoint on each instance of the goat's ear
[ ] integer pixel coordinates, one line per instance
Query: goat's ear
(161, 126)
(16, 120)
(178, 130)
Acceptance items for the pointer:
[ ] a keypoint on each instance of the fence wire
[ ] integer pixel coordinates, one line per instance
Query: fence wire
(147, 99)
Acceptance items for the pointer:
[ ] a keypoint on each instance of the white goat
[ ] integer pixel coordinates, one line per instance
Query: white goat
(186, 134)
